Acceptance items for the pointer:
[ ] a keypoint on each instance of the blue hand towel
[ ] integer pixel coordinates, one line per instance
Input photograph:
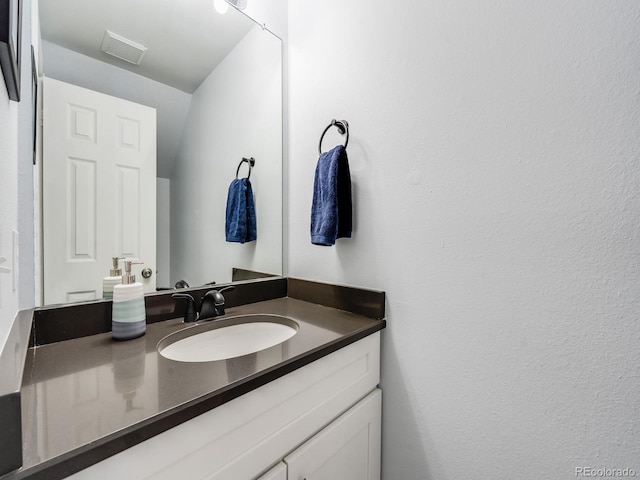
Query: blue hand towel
(241, 213)
(331, 207)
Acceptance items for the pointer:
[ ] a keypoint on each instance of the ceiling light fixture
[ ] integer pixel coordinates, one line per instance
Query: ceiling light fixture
(221, 6)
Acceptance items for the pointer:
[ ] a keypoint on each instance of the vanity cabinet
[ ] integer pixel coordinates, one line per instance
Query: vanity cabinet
(279, 472)
(321, 420)
(349, 448)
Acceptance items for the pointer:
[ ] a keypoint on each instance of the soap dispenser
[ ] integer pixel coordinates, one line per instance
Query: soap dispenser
(114, 278)
(128, 319)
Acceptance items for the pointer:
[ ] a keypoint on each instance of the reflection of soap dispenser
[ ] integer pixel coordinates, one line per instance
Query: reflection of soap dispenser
(114, 278)
(128, 319)
(128, 367)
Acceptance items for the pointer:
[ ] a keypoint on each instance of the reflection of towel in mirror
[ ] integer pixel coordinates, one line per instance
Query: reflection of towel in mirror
(331, 208)
(241, 213)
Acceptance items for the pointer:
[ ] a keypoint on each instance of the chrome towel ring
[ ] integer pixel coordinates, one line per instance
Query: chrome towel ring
(343, 128)
(250, 161)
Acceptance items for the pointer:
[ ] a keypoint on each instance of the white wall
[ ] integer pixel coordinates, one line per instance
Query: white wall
(163, 233)
(272, 14)
(16, 191)
(240, 100)
(9, 212)
(494, 155)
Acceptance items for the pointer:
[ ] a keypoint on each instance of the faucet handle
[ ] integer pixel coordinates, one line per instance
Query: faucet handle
(213, 303)
(227, 288)
(190, 314)
(219, 298)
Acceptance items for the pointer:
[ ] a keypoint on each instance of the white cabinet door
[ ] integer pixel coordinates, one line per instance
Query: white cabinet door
(99, 189)
(279, 472)
(349, 448)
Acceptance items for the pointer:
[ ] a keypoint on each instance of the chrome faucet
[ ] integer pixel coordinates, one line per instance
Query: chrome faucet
(212, 305)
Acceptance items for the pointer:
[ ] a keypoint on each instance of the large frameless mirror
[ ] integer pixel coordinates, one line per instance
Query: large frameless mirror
(188, 93)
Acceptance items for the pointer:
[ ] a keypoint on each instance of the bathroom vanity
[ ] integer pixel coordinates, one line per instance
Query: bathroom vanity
(297, 418)
(308, 407)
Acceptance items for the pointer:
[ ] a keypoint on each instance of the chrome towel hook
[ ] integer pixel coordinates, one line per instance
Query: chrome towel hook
(343, 128)
(250, 161)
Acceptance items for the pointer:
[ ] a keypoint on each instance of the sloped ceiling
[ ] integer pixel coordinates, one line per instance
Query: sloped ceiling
(186, 38)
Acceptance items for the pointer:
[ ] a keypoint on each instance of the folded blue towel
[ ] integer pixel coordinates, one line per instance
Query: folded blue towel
(331, 207)
(241, 213)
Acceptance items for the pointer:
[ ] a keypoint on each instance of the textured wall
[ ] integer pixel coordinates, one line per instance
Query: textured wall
(494, 155)
(16, 190)
(9, 210)
(270, 13)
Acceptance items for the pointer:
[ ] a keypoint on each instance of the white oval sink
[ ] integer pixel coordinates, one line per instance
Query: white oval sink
(220, 341)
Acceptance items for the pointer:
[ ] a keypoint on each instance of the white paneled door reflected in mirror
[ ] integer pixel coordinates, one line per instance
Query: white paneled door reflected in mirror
(109, 189)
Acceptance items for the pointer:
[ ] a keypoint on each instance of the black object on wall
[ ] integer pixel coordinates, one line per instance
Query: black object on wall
(10, 42)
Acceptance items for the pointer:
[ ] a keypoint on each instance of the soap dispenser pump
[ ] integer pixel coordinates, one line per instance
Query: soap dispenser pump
(128, 318)
(114, 278)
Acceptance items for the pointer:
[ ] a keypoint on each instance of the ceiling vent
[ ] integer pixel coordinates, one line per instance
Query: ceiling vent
(123, 48)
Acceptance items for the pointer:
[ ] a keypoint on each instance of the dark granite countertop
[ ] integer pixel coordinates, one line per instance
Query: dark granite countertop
(86, 399)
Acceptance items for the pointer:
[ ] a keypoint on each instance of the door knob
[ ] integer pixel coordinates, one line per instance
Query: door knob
(147, 272)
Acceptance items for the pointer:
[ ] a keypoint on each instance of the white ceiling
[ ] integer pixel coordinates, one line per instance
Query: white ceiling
(186, 38)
